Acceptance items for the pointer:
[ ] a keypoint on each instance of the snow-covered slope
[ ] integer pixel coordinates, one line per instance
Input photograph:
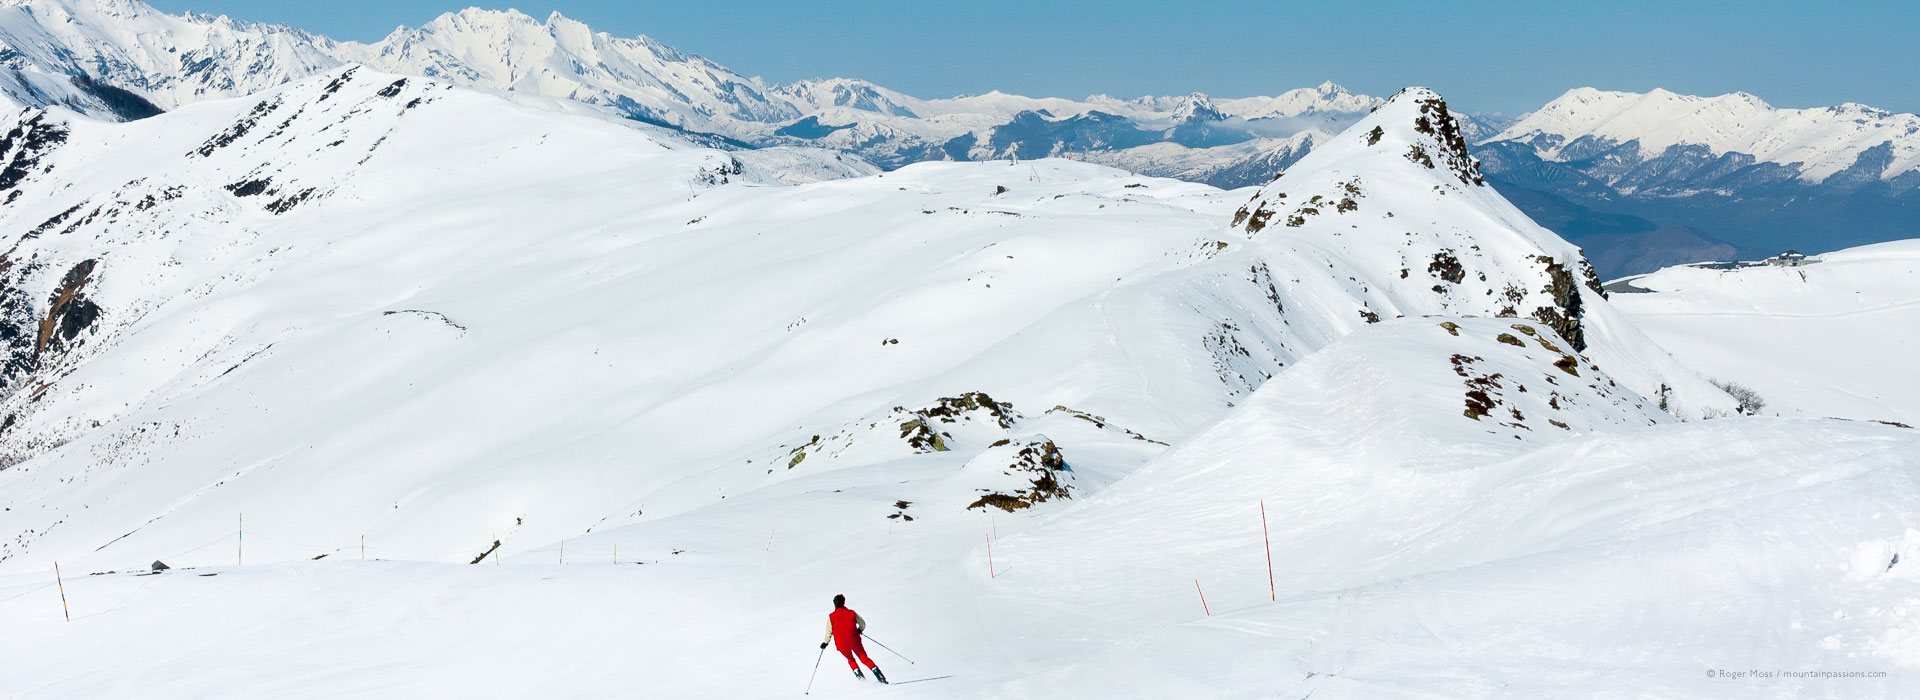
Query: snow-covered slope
(1818, 143)
(615, 275)
(1828, 339)
(1411, 558)
(151, 315)
(1417, 552)
(372, 305)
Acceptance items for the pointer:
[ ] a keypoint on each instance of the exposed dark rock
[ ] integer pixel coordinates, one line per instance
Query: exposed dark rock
(249, 188)
(284, 204)
(238, 129)
(1040, 458)
(1481, 390)
(1447, 267)
(1564, 316)
(69, 312)
(1437, 121)
(23, 148)
(339, 81)
(952, 408)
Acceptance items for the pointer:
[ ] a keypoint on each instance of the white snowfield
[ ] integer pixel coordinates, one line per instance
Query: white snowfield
(1022, 415)
(1831, 339)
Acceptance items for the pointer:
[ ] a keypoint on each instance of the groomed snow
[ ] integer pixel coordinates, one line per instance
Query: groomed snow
(1834, 338)
(1629, 561)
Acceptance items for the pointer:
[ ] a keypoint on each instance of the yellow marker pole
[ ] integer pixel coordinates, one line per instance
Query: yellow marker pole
(63, 592)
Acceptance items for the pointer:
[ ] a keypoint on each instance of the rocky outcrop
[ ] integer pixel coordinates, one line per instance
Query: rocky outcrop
(1038, 462)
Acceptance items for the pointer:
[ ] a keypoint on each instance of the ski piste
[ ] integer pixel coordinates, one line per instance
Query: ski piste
(583, 336)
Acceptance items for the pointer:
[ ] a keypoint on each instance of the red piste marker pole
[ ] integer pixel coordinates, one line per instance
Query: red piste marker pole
(990, 573)
(1272, 592)
(1203, 598)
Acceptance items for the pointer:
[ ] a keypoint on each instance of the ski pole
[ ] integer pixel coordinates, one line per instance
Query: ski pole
(816, 670)
(895, 653)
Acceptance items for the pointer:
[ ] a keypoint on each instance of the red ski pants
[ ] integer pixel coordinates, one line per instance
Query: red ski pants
(856, 648)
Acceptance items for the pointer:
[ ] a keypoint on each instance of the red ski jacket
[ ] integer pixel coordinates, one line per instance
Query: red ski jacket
(844, 627)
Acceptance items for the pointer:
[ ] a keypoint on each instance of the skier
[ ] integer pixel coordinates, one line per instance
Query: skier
(844, 627)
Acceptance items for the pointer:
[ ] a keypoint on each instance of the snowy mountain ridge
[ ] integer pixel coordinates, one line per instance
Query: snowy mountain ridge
(1640, 181)
(507, 50)
(110, 57)
(123, 59)
(175, 60)
(1819, 142)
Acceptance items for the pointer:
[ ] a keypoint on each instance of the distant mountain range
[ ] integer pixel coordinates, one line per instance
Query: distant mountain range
(1640, 180)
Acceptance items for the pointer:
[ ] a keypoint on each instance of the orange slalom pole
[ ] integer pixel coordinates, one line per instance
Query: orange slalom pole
(1203, 598)
(990, 573)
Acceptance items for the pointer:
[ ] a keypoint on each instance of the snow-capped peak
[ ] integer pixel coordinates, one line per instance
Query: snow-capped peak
(124, 58)
(1325, 98)
(507, 50)
(1196, 107)
(1416, 126)
(1819, 141)
(1397, 203)
(823, 94)
(1411, 138)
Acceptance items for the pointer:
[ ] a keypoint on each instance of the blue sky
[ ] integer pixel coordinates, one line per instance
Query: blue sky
(1485, 56)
